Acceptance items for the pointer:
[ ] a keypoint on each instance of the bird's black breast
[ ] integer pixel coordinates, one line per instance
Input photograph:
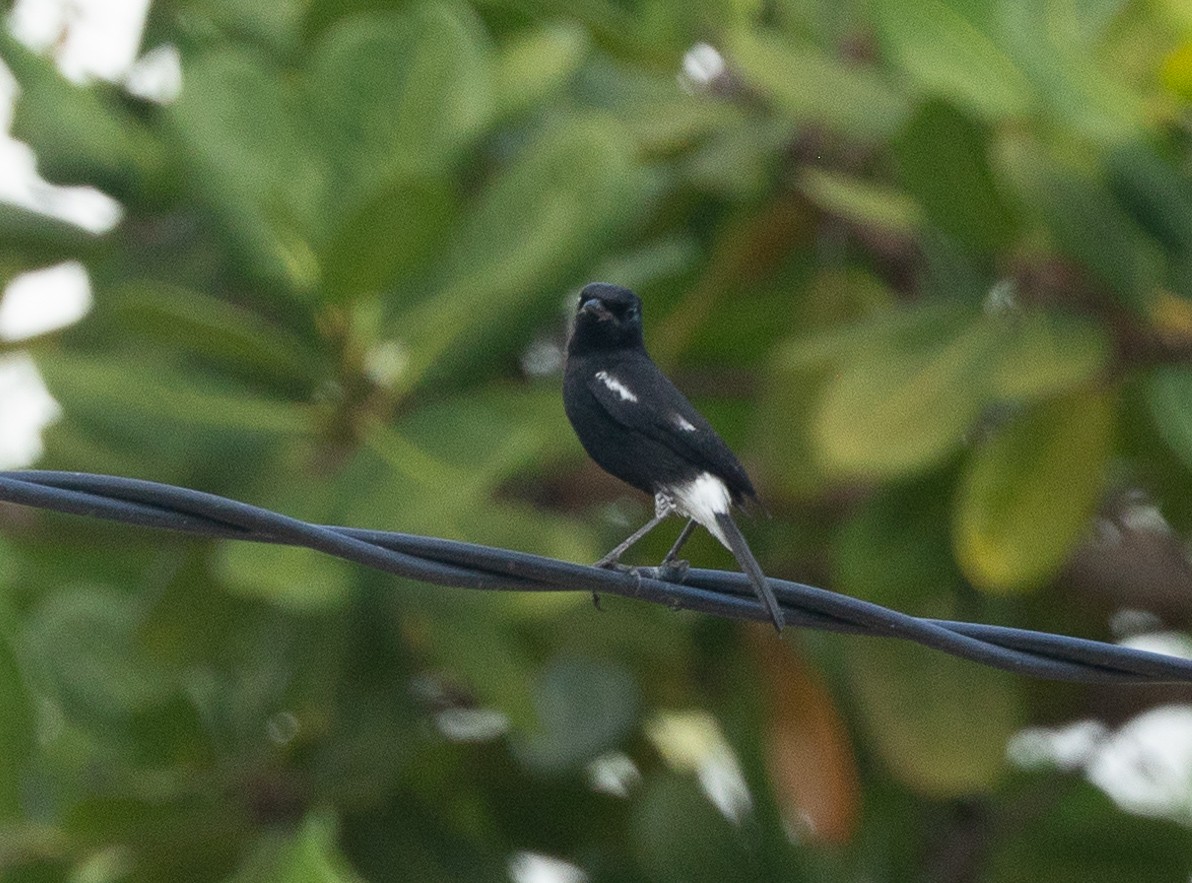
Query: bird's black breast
(628, 454)
(640, 441)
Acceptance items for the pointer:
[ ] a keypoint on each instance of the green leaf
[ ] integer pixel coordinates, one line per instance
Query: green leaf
(918, 708)
(1084, 836)
(812, 89)
(677, 835)
(399, 94)
(532, 66)
(37, 240)
(1169, 399)
(943, 164)
(392, 233)
(81, 134)
(297, 579)
(585, 707)
(444, 458)
(308, 855)
(1086, 222)
(949, 56)
(85, 645)
(552, 207)
(230, 335)
(124, 390)
(895, 550)
(16, 723)
(1026, 497)
(1080, 88)
(250, 159)
(801, 368)
(1046, 354)
(483, 653)
(1156, 193)
(863, 202)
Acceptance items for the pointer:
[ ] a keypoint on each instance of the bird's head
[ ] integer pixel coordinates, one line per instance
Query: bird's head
(607, 316)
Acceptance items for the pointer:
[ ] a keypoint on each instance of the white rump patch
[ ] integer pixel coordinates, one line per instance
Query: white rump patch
(684, 424)
(703, 498)
(626, 394)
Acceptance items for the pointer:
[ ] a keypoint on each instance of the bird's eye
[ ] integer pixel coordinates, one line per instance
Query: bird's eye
(631, 313)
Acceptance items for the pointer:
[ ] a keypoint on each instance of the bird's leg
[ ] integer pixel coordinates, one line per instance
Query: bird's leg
(683, 537)
(615, 555)
(670, 569)
(611, 559)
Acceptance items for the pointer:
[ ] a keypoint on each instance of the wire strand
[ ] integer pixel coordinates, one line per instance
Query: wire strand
(467, 565)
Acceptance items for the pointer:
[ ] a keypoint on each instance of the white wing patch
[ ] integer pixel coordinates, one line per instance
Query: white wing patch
(703, 498)
(616, 386)
(684, 424)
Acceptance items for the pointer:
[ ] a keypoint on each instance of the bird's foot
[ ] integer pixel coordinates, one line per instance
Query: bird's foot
(674, 570)
(667, 571)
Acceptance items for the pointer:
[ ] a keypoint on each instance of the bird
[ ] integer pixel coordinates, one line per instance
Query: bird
(640, 428)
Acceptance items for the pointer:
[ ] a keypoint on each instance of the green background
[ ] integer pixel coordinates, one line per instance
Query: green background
(926, 265)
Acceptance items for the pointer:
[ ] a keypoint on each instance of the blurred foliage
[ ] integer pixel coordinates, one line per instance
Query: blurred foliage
(926, 263)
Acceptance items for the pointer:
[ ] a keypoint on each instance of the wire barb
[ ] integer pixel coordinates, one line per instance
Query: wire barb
(466, 565)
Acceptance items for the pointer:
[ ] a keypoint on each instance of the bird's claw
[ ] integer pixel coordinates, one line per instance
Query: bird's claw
(673, 571)
(667, 571)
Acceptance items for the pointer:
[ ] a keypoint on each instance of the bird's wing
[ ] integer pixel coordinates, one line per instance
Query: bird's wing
(641, 398)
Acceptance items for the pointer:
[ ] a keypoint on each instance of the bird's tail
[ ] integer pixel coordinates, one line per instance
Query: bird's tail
(736, 544)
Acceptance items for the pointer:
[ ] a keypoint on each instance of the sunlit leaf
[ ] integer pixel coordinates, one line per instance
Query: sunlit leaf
(1047, 468)
(297, 579)
(532, 66)
(1045, 354)
(897, 409)
(918, 709)
(812, 88)
(308, 855)
(1177, 71)
(862, 202)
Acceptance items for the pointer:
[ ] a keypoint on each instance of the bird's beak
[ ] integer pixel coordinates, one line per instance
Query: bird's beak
(593, 307)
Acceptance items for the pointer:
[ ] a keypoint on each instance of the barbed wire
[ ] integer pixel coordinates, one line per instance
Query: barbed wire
(466, 565)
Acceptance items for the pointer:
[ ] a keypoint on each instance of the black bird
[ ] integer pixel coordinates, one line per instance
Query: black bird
(637, 426)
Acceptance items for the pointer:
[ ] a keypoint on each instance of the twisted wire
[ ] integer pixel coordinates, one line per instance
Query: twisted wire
(471, 566)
